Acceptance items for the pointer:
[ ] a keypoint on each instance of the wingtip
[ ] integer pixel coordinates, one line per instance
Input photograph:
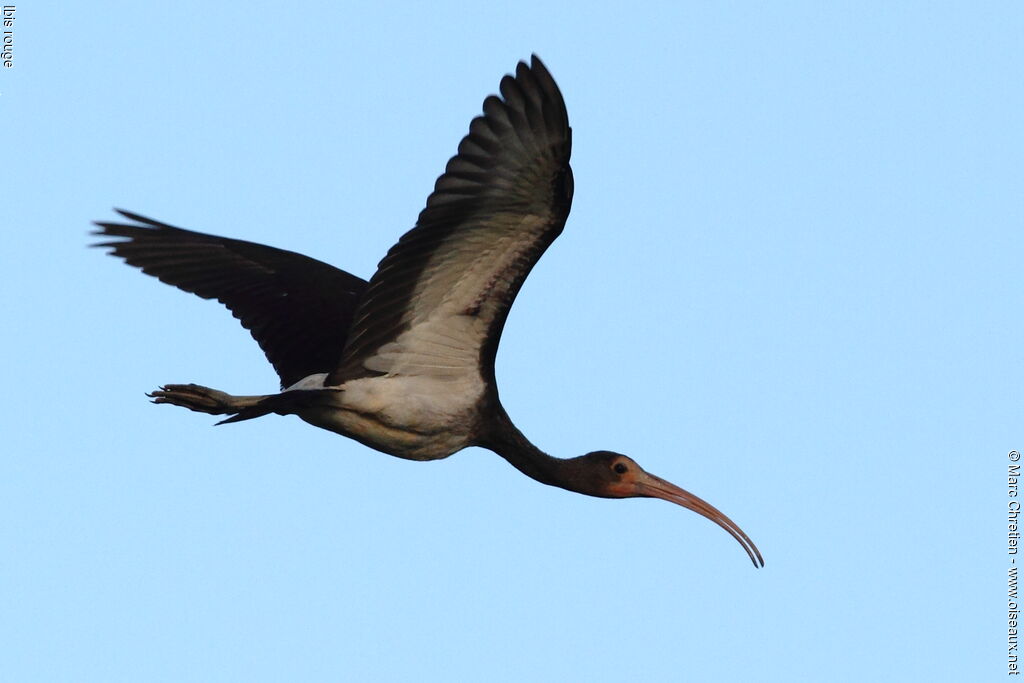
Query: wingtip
(538, 65)
(103, 229)
(133, 216)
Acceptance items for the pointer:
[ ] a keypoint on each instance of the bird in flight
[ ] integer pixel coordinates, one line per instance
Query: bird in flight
(404, 362)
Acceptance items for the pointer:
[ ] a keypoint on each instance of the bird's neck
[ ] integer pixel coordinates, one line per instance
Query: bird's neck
(508, 442)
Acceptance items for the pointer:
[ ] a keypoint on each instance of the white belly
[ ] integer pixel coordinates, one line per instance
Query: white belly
(419, 418)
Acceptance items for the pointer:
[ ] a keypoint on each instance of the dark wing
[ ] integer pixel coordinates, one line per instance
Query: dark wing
(298, 309)
(438, 302)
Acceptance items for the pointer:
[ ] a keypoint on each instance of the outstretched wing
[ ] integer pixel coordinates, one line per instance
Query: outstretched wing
(298, 309)
(438, 302)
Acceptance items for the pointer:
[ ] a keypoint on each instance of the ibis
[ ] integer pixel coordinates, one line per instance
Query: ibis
(404, 362)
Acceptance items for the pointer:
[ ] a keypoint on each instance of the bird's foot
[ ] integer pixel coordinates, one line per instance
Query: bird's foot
(195, 397)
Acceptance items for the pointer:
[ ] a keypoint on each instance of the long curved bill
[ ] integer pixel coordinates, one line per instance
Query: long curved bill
(656, 487)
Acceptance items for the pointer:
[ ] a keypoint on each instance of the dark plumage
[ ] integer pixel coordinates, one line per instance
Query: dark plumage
(404, 363)
(298, 309)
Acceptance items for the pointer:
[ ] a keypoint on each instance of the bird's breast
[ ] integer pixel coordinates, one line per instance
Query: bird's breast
(418, 418)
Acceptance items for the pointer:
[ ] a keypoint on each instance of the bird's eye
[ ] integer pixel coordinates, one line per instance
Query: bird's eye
(620, 468)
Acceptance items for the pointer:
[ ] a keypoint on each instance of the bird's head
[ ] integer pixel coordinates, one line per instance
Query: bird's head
(612, 475)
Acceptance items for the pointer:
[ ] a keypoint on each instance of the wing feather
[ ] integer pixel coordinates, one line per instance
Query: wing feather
(297, 308)
(440, 298)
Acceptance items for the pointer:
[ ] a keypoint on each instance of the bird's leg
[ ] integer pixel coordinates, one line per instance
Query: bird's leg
(203, 399)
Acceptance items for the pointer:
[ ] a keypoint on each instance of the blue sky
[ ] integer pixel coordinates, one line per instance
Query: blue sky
(791, 283)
